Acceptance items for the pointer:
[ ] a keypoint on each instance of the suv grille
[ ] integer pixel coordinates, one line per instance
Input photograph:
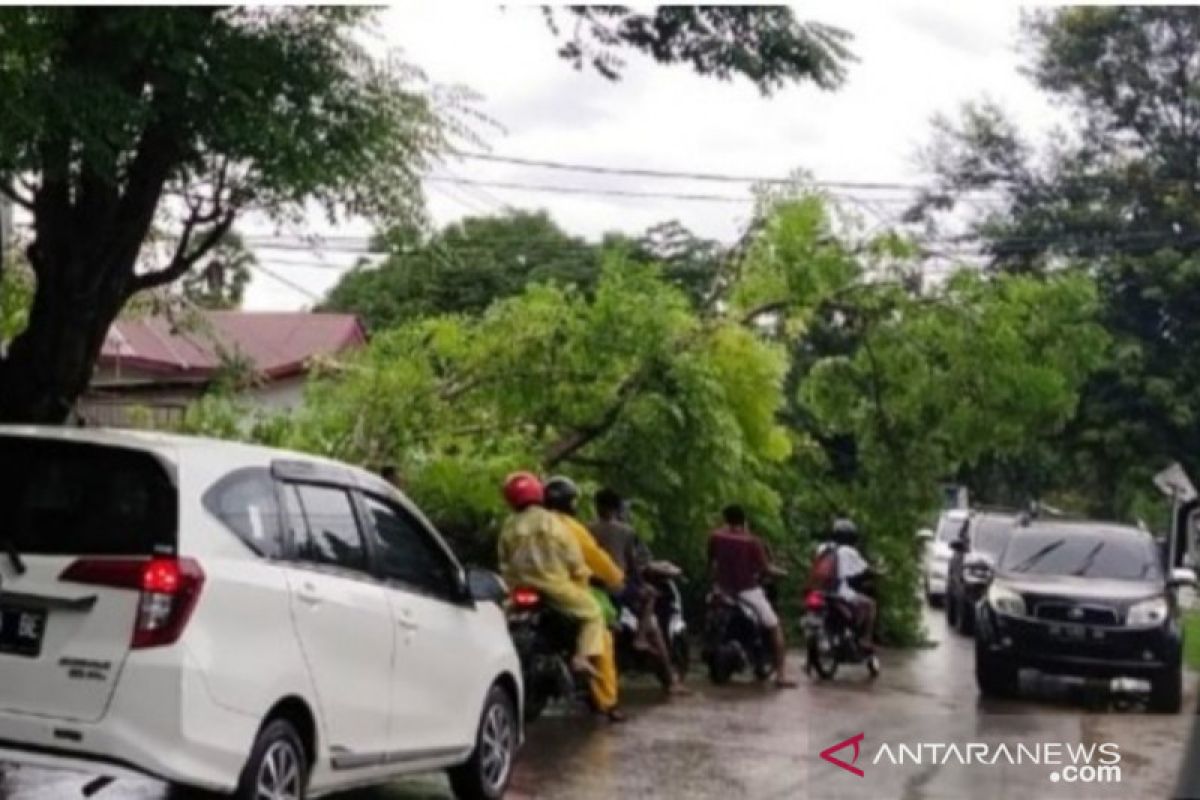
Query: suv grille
(1070, 612)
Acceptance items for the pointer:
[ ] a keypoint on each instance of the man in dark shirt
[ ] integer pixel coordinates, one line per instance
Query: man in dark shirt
(626, 548)
(739, 562)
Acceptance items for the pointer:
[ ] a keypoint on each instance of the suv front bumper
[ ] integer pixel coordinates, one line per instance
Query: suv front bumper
(1082, 650)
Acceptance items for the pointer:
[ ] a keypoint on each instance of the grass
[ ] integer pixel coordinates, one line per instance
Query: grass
(1191, 639)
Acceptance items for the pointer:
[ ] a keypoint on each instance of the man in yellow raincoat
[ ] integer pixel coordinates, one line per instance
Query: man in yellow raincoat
(561, 495)
(537, 550)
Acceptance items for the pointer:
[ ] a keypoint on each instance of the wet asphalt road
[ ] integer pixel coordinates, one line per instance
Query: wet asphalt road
(746, 742)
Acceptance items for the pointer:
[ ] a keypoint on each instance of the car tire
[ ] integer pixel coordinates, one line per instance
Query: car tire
(934, 600)
(995, 676)
(277, 766)
(1166, 691)
(951, 611)
(485, 775)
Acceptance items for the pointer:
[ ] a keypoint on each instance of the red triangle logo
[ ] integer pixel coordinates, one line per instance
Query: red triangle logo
(853, 741)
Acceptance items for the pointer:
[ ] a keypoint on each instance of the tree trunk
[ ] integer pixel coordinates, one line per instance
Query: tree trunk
(50, 364)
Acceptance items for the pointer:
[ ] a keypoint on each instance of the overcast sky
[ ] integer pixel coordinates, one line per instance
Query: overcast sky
(914, 60)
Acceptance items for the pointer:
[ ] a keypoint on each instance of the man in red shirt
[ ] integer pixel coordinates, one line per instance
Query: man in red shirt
(738, 562)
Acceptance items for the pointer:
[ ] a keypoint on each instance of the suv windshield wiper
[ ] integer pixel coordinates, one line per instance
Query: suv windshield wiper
(1046, 550)
(1088, 560)
(14, 555)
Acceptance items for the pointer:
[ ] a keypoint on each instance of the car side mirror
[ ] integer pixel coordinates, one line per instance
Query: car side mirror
(1183, 576)
(485, 586)
(924, 536)
(958, 546)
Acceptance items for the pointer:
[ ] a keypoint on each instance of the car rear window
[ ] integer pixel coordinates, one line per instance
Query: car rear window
(1114, 554)
(991, 534)
(68, 498)
(949, 528)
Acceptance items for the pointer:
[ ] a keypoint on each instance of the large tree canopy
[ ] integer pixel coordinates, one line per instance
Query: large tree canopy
(470, 264)
(1118, 194)
(123, 120)
(120, 119)
(685, 405)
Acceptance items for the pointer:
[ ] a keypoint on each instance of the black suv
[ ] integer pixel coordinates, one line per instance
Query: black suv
(1081, 598)
(973, 556)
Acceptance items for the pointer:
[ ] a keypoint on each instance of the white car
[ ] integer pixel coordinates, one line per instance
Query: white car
(241, 620)
(938, 552)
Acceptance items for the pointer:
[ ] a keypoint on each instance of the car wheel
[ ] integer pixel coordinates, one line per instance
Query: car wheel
(934, 600)
(996, 676)
(277, 767)
(1166, 691)
(486, 773)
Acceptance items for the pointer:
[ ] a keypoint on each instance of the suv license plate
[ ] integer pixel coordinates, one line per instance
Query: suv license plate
(21, 630)
(1074, 633)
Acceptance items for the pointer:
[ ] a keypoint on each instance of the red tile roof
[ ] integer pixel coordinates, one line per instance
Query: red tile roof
(278, 344)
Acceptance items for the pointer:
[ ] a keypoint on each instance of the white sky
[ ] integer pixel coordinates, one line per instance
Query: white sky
(915, 60)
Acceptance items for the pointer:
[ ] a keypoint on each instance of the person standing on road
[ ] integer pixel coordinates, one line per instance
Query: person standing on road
(738, 562)
(536, 549)
(562, 497)
(630, 553)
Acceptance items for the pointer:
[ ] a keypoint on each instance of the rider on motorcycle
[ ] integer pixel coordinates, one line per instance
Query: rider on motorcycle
(739, 563)
(849, 569)
(630, 553)
(536, 549)
(561, 497)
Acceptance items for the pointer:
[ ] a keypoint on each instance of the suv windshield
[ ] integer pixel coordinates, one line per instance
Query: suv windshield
(1107, 553)
(66, 498)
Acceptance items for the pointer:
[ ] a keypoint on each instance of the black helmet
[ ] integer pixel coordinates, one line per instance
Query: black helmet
(561, 494)
(845, 531)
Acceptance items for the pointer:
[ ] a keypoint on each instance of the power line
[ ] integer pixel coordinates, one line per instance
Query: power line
(640, 172)
(287, 282)
(583, 190)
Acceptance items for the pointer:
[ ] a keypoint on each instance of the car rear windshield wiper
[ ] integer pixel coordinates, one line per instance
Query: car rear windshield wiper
(14, 555)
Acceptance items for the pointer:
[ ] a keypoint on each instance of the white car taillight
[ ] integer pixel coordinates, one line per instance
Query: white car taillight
(169, 590)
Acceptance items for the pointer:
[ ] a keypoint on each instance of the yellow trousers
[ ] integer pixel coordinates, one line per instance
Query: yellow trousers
(605, 686)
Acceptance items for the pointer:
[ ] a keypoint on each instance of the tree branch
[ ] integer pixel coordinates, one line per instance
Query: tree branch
(9, 190)
(183, 259)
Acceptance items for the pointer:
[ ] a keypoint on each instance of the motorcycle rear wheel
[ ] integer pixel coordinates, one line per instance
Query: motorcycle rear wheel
(821, 656)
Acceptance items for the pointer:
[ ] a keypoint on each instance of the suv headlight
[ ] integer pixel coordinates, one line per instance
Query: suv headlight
(1006, 601)
(1148, 613)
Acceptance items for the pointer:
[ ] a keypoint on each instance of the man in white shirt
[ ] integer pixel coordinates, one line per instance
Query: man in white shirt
(850, 567)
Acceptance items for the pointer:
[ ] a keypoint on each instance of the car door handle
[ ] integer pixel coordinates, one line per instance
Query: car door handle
(406, 620)
(309, 595)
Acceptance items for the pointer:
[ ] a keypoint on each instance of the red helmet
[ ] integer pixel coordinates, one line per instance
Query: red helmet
(523, 489)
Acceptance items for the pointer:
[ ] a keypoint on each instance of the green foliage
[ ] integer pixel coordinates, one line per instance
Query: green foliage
(16, 293)
(463, 268)
(809, 350)
(1116, 194)
(474, 262)
(766, 45)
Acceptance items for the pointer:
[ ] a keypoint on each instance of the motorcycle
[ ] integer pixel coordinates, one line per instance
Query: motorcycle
(831, 636)
(734, 640)
(662, 576)
(545, 641)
